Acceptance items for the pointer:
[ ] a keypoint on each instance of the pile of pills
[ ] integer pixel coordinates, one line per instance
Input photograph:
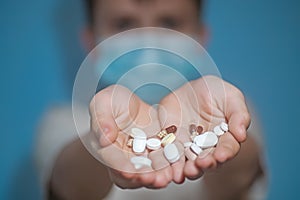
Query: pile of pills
(139, 143)
(200, 140)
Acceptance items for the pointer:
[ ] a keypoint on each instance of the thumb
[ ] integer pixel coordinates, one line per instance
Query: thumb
(102, 119)
(238, 117)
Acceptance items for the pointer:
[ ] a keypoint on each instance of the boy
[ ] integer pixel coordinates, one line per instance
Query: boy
(75, 174)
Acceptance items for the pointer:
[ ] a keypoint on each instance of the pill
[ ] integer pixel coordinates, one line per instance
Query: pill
(192, 128)
(187, 144)
(168, 139)
(138, 133)
(171, 129)
(171, 153)
(224, 126)
(129, 142)
(138, 166)
(200, 129)
(194, 134)
(206, 140)
(140, 161)
(189, 154)
(196, 149)
(153, 143)
(162, 134)
(218, 131)
(139, 145)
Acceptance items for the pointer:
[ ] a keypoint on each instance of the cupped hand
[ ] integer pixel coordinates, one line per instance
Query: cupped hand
(207, 101)
(114, 111)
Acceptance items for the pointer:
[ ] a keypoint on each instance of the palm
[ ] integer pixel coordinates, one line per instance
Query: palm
(126, 111)
(207, 102)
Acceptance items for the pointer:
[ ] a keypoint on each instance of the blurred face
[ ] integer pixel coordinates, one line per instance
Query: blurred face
(114, 16)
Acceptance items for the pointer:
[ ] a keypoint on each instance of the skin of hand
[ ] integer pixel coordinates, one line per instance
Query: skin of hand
(114, 111)
(207, 101)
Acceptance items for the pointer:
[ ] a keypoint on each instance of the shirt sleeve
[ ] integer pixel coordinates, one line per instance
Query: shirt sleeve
(259, 189)
(55, 131)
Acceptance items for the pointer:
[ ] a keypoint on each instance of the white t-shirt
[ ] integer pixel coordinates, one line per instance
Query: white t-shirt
(57, 130)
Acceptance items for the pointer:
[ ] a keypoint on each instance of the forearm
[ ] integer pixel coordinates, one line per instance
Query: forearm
(234, 179)
(77, 175)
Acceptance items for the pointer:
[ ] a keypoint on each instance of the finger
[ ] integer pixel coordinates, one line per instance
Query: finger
(167, 115)
(158, 160)
(119, 161)
(227, 148)
(191, 171)
(125, 174)
(147, 179)
(145, 175)
(205, 160)
(103, 122)
(163, 178)
(237, 115)
(123, 182)
(177, 167)
(162, 167)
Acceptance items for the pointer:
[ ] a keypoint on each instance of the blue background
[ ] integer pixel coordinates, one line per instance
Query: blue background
(255, 44)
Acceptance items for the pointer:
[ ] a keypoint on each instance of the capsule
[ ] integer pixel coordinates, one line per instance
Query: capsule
(130, 142)
(168, 139)
(162, 134)
(192, 128)
(171, 129)
(200, 129)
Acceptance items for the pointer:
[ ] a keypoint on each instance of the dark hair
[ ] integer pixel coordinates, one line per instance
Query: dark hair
(90, 5)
